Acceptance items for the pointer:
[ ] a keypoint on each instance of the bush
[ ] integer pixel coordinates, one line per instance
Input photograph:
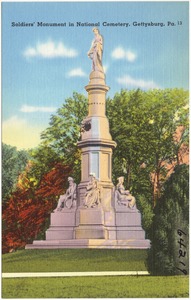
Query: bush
(169, 234)
(147, 214)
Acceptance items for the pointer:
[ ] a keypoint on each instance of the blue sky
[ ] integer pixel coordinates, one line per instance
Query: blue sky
(42, 66)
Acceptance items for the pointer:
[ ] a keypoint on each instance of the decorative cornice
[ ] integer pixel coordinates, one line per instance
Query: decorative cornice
(96, 142)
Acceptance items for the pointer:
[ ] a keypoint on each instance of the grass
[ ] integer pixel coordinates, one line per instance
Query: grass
(72, 260)
(97, 287)
(81, 260)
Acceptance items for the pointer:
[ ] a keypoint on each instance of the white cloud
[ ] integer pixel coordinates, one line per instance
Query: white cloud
(17, 132)
(30, 109)
(50, 49)
(121, 53)
(137, 83)
(78, 72)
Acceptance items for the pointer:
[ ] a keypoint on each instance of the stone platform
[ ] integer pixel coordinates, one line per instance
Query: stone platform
(90, 243)
(94, 228)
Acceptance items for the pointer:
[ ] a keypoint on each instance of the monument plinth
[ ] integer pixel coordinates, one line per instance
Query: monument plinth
(95, 214)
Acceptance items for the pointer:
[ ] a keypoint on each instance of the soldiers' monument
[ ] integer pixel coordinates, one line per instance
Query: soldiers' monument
(95, 214)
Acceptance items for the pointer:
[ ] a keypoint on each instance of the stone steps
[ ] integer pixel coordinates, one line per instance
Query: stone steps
(90, 243)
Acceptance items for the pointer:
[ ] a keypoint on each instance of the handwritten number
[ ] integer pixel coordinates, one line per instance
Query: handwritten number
(183, 271)
(180, 243)
(180, 232)
(181, 253)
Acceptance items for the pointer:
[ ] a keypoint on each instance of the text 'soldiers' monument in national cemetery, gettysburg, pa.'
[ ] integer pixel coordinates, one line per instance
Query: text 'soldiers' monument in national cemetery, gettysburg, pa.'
(95, 214)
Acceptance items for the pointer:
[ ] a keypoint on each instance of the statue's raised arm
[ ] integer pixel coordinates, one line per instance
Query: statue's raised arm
(96, 51)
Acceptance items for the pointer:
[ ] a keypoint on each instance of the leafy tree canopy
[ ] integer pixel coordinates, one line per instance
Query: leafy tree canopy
(143, 124)
(13, 163)
(59, 140)
(27, 213)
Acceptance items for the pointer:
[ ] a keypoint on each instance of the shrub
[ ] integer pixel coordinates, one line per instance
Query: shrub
(169, 234)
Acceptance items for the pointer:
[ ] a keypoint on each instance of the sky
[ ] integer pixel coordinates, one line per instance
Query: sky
(43, 65)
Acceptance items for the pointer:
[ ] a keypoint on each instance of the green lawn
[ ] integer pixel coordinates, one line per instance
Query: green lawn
(97, 287)
(72, 260)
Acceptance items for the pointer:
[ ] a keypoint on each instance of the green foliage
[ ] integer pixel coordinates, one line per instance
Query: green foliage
(145, 207)
(144, 124)
(60, 138)
(171, 215)
(43, 159)
(13, 163)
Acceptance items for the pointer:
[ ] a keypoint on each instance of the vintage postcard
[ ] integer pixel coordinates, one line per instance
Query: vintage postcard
(95, 149)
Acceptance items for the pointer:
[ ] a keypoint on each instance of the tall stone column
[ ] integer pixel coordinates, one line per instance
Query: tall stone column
(96, 142)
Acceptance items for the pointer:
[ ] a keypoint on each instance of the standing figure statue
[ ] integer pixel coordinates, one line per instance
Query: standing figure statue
(92, 196)
(69, 199)
(122, 196)
(96, 51)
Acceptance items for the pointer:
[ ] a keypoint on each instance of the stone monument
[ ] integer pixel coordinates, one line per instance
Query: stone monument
(95, 214)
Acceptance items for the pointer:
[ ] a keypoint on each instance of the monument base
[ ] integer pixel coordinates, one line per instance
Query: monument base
(128, 223)
(90, 243)
(94, 228)
(90, 224)
(62, 225)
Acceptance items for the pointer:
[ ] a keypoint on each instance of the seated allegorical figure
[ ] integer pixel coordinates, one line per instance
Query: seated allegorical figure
(69, 198)
(122, 196)
(92, 196)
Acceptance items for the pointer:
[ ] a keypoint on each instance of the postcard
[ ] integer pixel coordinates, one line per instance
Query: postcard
(95, 149)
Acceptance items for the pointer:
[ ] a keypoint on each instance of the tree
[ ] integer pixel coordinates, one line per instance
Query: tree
(64, 131)
(168, 112)
(144, 124)
(26, 214)
(43, 159)
(169, 234)
(13, 163)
